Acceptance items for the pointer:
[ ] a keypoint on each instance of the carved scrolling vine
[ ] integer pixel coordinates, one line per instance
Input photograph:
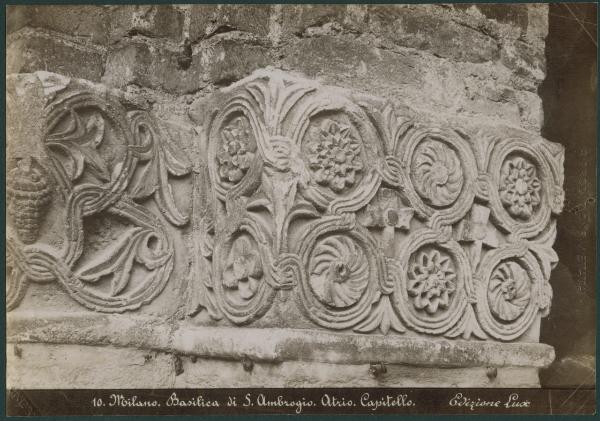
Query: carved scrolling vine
(367, 216)
(94, 147)
(374, 219)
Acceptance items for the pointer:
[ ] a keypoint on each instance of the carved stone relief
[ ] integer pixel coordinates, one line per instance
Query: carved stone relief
(93, 148)
(364, 215)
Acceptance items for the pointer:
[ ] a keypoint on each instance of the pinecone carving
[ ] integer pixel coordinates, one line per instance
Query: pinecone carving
(28, 192)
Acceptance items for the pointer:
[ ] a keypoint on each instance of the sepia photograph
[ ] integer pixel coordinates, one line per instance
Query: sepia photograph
(219, 209)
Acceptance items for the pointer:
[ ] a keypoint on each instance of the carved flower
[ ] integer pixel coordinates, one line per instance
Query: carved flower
(509, 291)
(519, 187)
(437, 173)
(431, 281)
(334, 156)
(339, 271)
(244, 269)
(237, 150)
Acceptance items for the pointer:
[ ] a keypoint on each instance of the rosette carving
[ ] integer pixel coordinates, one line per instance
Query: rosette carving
(432, 296)
(344, 273)
(509, 291)
(310, 187)
(519, 187)
(508, 298)
(334, 155)
(244, 269)
(442, 175)
(437, 173)
(431, 280)
(338, 271)
(245, 274)
(237, 150)
(521, 197)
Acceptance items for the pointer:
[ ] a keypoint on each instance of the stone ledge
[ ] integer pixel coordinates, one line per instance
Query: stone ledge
(269, 345)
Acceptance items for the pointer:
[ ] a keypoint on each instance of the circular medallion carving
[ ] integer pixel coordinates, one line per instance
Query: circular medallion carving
(333, 155)
(442, 173)
(431, 298)
(519, 187)
(431, 280)
(242, 267)
(243, 270)
(235, 157)
(341, 151)
(507, 299)
(236, 150)
(338, 271)
(343, 269)
(436, 173)
(509, 291)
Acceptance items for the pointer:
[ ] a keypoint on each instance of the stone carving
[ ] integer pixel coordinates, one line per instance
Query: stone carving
(374, 218)
(334, 156)
(437, 173)
(28, 193)
(93, 147)
(237, 150)
(244, 269)
(520, 187)
(432, 280)
(350, 212)
(509, 291)
(338, 271)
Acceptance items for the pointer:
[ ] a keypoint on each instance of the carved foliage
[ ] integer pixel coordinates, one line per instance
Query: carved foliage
(281, 149)
(93, 148)
(374, 219)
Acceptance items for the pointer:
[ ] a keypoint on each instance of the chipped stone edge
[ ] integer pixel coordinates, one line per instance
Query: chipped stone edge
(273, 345)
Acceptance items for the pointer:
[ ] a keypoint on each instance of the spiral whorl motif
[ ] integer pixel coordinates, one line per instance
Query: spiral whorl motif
(437, 173)
(338, 270)
(509, 291)
(28, 192)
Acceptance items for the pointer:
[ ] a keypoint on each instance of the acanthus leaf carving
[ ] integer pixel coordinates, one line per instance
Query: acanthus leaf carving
(541, 248)
(134, 246)
(79, 142)
(325, 156)
(163, 159)
(92, 155)
(368, 216)
(383, 317)
(467, 327)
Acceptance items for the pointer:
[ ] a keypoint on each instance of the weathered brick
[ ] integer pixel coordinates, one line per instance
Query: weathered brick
(145, 65)
(157, 21)
(349, 62)
(425, 27)
(513, 14)
(206, 20)
(525, 60)
(232, 61)
(221, 63)
(296, 19)
(32, 51)
(87, 21)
